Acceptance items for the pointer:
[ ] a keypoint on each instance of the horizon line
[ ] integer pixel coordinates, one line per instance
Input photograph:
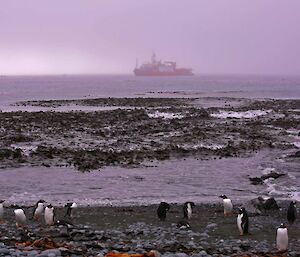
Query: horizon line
(131, 74)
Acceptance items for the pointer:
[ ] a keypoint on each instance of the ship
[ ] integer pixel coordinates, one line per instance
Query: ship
(159, 68)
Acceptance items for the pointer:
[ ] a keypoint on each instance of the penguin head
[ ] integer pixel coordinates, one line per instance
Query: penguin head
(40, 202)
(165, 206)
(283, 225)
(2, 201)
(293, 203)
(223, 196)
(18, 211)
(71, 205)
(192, 204)
(242, 210)
(50, 206)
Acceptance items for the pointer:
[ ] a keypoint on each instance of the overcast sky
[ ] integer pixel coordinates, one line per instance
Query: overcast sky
(106, 36)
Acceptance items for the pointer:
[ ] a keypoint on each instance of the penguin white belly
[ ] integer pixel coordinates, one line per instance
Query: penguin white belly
(227, 206)
(49, 216)
(1, 211)
(239, 223)
(282, 239)
(189, 211)
(20, 217)
(38, 211)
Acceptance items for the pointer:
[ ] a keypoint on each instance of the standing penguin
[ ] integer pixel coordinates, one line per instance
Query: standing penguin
(20, 217)
(242, 221)
(162, 210)
(1, 210)
(188, 209)
(49, 215)
(292, 212)
(70, 207)
(227, 205)
(39, 208)
(282, 238)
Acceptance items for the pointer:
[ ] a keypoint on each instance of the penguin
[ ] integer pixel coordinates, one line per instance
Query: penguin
(162, 210)
(20, 218)
(227, 205)
(183, 224)
(282, 238)
(1, 210)
(64, 223)
(242, 221)
(188, 209)
(39, 208)
(292, 212)
(49, 215)
(65, 226)
(26, 235)
(70, 207)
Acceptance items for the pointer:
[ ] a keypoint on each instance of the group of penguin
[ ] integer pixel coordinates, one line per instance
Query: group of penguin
(48, 212)
(242, 219)
(41, 210)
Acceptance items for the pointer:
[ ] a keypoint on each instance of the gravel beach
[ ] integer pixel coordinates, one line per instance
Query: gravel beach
(136, 229)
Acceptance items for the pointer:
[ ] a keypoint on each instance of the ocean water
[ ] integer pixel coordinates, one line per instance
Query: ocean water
(19, 88)
(174, 180)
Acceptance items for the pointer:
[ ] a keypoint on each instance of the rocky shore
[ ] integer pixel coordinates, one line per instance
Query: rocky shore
(145, 129)
(136, 229)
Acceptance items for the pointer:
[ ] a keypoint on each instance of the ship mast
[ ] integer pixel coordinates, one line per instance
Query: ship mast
(153, 59)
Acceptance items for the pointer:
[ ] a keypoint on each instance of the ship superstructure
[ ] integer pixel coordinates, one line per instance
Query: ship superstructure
(159, 68)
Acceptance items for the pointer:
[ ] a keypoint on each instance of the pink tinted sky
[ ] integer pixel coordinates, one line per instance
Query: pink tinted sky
(106, 36)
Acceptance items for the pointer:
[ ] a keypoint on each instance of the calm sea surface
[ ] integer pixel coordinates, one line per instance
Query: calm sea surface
(19, 88)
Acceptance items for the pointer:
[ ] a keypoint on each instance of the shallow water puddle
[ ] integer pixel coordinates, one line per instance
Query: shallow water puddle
(172, 181)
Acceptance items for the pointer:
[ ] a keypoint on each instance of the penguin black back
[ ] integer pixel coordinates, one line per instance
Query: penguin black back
(292, 212)
(69, 209)
(162, 210)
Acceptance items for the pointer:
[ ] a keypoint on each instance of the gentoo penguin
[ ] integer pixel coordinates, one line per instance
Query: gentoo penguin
(65, 225)
(162, 210)
(39, 208)
(70, 207)
(1, 210)
(227, 205)
(20, 217)
(49, 215)
(292, 212)
(183, 224)
(282, 238)
(242, 221)
(188, 209)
